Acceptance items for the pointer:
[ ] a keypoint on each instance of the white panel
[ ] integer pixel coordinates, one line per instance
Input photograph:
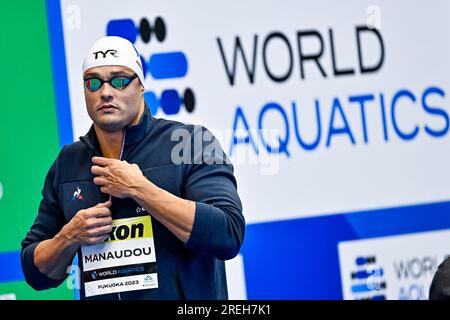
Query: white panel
(339, 178)
(236, 278)
(408, 264)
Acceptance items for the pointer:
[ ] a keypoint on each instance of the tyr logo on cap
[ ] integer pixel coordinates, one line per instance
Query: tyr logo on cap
(113, 52)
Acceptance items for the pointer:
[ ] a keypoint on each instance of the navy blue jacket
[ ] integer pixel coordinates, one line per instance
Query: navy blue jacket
(191, 270)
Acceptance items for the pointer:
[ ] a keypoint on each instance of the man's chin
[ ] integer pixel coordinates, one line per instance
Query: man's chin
(111, 126)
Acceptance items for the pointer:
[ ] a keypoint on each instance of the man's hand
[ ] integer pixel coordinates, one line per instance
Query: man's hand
(117, 178)
(123, 180)
(90, 226)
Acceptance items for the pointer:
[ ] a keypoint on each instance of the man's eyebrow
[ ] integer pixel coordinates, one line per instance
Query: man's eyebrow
(91, 74)
(115, 73)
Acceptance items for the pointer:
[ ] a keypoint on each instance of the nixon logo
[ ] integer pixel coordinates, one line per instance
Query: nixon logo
(113, 52)
(124, 232)
(161, 66)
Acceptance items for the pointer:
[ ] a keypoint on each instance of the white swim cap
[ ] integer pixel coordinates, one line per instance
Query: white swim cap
(114, 51)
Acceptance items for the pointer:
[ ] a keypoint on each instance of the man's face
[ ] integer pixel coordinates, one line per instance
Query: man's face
(113, 109)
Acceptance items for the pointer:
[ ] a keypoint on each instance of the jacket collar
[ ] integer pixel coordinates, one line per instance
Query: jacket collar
(134, 134)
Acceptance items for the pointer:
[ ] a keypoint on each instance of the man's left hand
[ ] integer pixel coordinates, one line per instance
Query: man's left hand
(117, 178)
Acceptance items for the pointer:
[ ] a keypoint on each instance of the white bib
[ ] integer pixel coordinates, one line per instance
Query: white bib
(126, 261)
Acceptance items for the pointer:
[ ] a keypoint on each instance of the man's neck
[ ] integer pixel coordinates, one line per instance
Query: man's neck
(110, 142)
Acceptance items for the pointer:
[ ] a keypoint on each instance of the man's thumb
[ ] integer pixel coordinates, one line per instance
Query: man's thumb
(103, 204)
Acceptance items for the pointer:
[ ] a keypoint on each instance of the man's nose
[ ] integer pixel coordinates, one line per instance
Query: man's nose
(106, 91)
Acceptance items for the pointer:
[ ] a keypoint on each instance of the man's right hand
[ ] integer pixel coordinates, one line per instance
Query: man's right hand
(90, 226)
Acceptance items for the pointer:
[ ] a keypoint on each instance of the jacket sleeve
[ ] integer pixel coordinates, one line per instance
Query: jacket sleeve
(47, 224)
(219, 225)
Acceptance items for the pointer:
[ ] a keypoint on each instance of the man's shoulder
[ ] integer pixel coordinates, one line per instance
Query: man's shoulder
(72, 148)
(162, 125)
(198, 143)
(73, 154)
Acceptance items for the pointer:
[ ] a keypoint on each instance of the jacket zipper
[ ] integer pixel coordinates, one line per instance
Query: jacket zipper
(110, 197)
(91, 147)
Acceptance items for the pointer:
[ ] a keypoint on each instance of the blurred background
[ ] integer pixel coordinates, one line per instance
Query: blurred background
(335, 116)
